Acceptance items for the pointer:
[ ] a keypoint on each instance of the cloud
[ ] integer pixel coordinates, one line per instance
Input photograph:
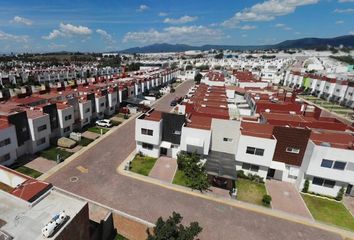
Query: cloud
(345, 1)
(266, 11)
(68, 30)
(247, 27)
(185, 34)
(162, 14)
(11, 37)
(56, 46)
(283, 26)
(181, 20)
(346, 10)
(22, 20)
(351, 32)
(142, 8)
(339, 22)
(105, 36)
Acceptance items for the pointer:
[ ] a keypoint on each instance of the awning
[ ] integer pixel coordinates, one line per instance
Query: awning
(277, 165)
(195, 141)
(166, 145)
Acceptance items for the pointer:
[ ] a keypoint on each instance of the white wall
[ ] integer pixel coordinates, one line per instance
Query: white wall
(202, 134)
(85, 112)
(221, 129)
(5, 133)
(154, 140)
(36, 136)
(62, 113)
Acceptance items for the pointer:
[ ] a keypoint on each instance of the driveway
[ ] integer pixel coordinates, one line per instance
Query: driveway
(148, 201)
(349, 204)
(41, 164)
(164, 169)
(286, 198)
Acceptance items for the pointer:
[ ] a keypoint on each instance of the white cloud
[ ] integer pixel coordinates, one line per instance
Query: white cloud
(346, 10)
(56, 46)
(247, 27)
(345, 1)
(266, 11)
(68, 30)
(339, 22)
(22, 20)
(351, 32)
(10, 37)
(181, 20)
(283, 26)
(105, 36)
(183, 34)
(244, 35)
(142, 8)
(162, 14)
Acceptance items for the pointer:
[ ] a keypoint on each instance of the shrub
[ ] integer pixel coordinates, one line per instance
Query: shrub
(267, 199)
(241, 174)
(340, 194)
(126, 116)
(306, 186)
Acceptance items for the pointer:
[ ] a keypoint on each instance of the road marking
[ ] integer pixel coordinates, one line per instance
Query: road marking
(82, 169)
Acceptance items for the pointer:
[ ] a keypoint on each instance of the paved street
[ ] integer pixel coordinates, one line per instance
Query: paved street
(101, 183)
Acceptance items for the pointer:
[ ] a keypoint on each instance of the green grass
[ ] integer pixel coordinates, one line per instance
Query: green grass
(97, 130)
(120, 237)
(52, 152)
(115, 123)
(329, 211)
(28, 171)
(249, 191)
(180, 178)
(85, 141)
(142, 164)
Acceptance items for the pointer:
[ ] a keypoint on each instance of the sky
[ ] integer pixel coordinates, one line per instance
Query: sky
(108, 25)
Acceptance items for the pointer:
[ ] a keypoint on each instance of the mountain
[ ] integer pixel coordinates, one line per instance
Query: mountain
(347, 41)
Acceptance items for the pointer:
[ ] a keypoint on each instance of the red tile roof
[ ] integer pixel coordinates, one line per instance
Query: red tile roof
(336, 140)
(200, 122)
(257, 129)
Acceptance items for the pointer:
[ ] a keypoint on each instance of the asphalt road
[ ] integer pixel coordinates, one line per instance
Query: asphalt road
(148, 201)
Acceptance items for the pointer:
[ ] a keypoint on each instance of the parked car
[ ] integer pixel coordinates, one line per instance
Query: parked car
(104, 123)
(173, 103)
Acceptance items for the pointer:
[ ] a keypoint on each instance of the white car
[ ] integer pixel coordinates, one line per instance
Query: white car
(104, 123)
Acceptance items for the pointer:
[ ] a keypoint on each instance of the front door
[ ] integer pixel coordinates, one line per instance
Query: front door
(270, 173)
(349, 189)
(163, 151)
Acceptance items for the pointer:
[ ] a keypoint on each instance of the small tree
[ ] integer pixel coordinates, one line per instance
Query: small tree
(197, 78)
(306, 186)
(173, 229)
(340, 194)
(267, 199)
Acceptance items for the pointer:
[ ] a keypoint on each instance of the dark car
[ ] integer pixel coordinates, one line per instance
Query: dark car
(173, 103)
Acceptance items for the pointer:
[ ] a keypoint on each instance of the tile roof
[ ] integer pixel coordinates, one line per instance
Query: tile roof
(257, 130)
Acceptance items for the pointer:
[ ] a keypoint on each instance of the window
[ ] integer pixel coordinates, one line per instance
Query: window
(5, 142)
(339, 165)
(87, 110)
(255, 151)
(177, 132)
(293, 150)
(68, 117)
(67, 129)
(323, 182)
(5, 158)
(227, 139)
(41, 141)
(24, 129)
(42, 128)
(250, 167)
(102, 104)
(145, 131)
(326, 163)
(148, 146)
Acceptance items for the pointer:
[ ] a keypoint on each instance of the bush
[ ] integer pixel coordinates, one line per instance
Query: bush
(251, 177)
(126, 116)
(340, 194)
(267, 199)
(306, 186)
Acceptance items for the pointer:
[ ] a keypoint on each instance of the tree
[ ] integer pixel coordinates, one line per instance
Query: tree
(340, 194)
(267, 199)
(173, 229)
(194, 171)
(189, 67)
(197, 78)
(219, 56)
(306, 186)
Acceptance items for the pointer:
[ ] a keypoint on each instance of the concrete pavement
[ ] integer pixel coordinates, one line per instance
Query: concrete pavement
(149, 201)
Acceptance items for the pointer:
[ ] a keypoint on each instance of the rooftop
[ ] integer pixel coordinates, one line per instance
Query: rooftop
(336, 140)
(200, 122)
(257, 130)
(152, 115)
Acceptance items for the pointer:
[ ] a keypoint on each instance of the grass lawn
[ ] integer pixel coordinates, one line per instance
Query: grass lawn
(98, 130)
(249, 191)
(52, 152)
(85, 141)
(142, 164)
(180, 178)
(28, 171)
(328, 211)
(119, 237)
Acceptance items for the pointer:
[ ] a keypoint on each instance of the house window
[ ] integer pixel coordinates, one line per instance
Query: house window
(227, 139)
(148, 146)
(323, 182)
(67, 129)
(293, 150)
(250, 167)
(255, 151)
(145, 131)
(102, 104)
(5, 158)
(68, 117)
(40, 141)
(177, 132)
(5, 142)
(339, 165)
(327, 163)
(42, 128)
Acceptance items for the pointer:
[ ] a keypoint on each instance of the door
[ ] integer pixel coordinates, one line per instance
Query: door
(163, 151)
(270, 173)
(349, 189)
